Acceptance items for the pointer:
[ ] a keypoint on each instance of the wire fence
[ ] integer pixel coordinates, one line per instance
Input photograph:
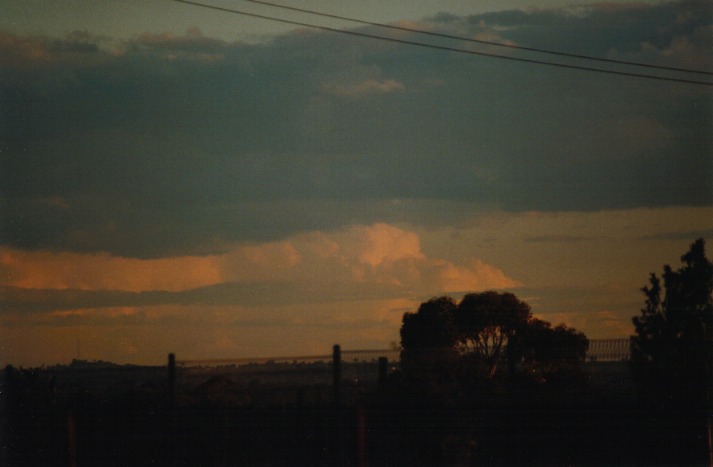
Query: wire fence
(609, 350)
(600, 350)
(350, 356)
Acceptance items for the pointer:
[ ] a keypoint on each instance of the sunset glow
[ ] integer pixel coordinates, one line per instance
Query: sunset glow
(222, 187)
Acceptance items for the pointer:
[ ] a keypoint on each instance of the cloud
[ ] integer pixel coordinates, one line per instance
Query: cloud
(557, 239)
(192, 40)
(267, 261)
(321, 184)
(684, 234)
(687, 50)
(192, 46)
(364, 88)
(349, 285)
(379, 244)
(139, 334)
(388, 255)
(378, 261)
(67, 270)
(19, 51)
(614, 324)
(599, 325)
(473, 276)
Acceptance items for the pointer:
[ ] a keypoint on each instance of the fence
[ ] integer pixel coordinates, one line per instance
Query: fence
(177, 408)
(347, 356)
(609, 350)
(600, 350)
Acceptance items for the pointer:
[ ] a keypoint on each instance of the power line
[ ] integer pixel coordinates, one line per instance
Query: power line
(478, 41)
(441, 47)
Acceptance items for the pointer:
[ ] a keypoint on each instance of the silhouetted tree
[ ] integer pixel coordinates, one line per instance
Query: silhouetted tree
(545, 351)
(452, 356)
(486, 321)
(431, 327)
(428, 337)
(672, 351)
(479, 331)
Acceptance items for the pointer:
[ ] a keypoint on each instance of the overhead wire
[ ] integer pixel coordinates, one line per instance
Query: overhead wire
(476, 41)
(443, 47)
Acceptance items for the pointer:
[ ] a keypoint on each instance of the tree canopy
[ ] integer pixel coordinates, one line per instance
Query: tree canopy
(489, 328)
(428, 339)
(431, 327)
(487, 320)
(673, 345)
(545, 350)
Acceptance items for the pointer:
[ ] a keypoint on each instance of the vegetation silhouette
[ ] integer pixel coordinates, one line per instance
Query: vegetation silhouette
(673, 345)
(485, 332)
(482, 375)
(487, 322)
(672, 353)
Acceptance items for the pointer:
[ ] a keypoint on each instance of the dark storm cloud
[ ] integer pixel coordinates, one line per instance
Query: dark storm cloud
(178, 144)
(602, 28)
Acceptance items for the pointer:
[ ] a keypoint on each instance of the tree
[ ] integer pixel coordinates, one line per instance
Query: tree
(546, 352)
(486, 321)
(480, 330)
(672, 350)
(431, 327)
(428, 338)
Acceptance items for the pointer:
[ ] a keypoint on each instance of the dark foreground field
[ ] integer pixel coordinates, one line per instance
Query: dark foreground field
(131, 417)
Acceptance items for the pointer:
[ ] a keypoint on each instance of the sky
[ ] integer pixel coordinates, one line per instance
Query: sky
(180, 179)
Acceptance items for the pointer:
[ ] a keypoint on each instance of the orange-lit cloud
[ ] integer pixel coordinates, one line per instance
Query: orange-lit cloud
(598, 325)
(264, 261)
(64, 270)
(382, 243)
(20, 51)
(476, 275)
(385, 254)
(376, 254)
(611, 322)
